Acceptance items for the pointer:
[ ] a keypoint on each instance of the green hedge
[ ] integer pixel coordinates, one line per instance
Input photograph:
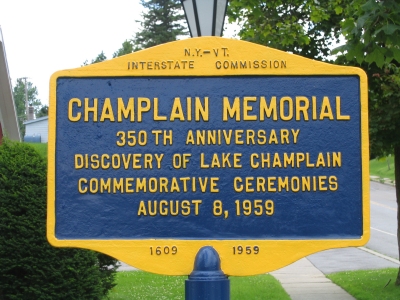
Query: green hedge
(30, 268)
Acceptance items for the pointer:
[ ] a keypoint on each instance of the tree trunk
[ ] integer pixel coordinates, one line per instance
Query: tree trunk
(397, 179)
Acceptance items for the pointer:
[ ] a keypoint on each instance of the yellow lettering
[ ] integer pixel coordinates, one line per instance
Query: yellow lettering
(190, 138)
(91, 109)
(143, 106)
(249, 184)
(196, 206)
(118, 185)
(333, 185)
(79, 161)
(156, 117)
(284, 136)
(107, 112)
(126, 111)
(177, 111)
(82, 189)
(321, 183)
(337, 159)
(302, 105)
(320, 161)
(78, 115)
(213, 185)
(271, 184)
(237, 184)
(326, 110)
(247, 108)
(163, 210)
(105, 185)
(267, 111)
(272, 137)
(277, 161)
(201, 110)
(185, 205)
(339, 116)
(142, 209)
(289, 114)
(228, 111)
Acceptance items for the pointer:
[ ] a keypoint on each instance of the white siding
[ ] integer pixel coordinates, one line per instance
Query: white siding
(39, 127)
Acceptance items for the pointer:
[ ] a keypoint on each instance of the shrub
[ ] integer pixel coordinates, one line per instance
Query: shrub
(30, 268)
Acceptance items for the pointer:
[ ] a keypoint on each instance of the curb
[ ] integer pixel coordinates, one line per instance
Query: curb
(387, 181)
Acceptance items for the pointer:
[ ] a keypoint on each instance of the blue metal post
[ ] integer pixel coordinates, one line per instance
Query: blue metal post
(207, 281)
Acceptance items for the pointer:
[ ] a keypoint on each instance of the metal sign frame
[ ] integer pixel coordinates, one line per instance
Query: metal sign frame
(234, 65)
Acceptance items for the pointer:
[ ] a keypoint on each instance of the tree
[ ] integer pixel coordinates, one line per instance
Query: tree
(29, 267)
(127, 47)
(99, 58)
(372, 32)
(304, 27)
(20, 103)
(162, 23)
(43, 111)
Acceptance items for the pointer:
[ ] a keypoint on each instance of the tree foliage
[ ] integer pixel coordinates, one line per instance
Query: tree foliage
(372, 32)
(20, 102)
(29, 267)
(43, 111)
(162, 22)
(384, 110)
(99, 58)
(127, 47)
(304, 27)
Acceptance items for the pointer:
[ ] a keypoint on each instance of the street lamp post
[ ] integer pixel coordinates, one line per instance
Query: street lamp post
(205, 17)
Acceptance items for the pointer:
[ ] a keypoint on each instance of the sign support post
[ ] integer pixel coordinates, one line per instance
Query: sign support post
(207, 281)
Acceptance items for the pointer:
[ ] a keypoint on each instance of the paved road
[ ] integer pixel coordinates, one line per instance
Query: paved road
(383, 220)
(383, 238)
(305, 278)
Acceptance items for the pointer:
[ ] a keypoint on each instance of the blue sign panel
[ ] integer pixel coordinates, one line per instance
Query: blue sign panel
(233, 157)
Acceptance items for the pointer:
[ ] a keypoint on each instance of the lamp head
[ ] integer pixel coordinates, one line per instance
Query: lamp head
(205, 17)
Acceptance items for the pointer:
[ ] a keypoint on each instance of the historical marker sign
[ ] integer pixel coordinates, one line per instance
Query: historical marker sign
(259, 153)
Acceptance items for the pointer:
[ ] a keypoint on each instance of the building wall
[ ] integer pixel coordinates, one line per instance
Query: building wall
(39, 127)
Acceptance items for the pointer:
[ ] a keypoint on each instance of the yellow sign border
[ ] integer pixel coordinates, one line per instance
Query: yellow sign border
(202, 59)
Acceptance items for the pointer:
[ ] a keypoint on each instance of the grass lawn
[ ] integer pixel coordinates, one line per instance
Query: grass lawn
(369, 285)
(143, 285)
(379, 167)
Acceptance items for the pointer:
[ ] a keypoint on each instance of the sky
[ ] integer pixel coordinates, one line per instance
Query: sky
(42, 37)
